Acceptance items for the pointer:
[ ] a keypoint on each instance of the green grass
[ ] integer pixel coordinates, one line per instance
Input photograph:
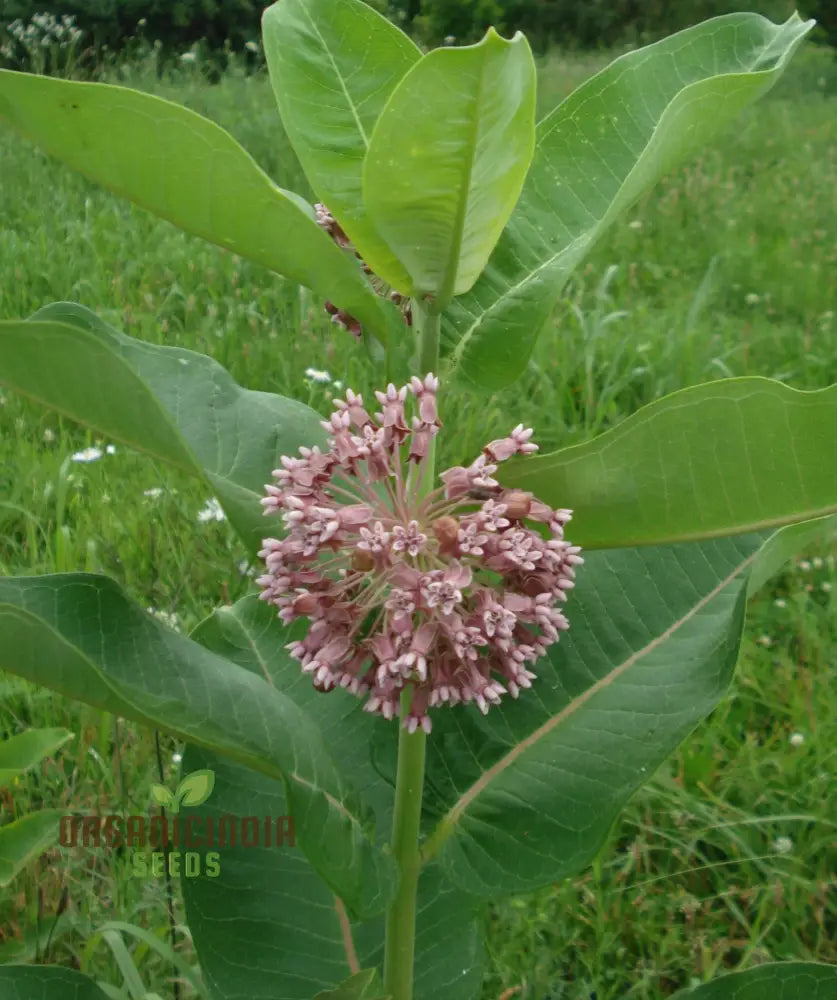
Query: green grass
(729, 267)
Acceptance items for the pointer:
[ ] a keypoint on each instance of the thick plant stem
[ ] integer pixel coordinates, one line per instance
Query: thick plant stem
(427, 320)
(401, 918)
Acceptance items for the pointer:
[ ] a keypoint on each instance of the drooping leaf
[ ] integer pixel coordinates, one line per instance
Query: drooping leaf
(333, 65)
(188, 170)
(596, 154)
(727, 457)
(27, 982)
(527, 794)
(25, 839)
(447, 160)
(267, 903)
(80, 635)
(776, 981)
(196, 787)
(176, 405)
(19, 753)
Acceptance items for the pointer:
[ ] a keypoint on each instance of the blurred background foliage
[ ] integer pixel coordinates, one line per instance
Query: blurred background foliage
(79, 37)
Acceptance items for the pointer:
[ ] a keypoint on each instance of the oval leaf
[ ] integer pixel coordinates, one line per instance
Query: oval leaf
(196, 787)
(176, 405)
(777, 980)
(718, 459)
(527, 794)
(188, 170)
(80, 635)
(19, 753)
(597, 152)
(333, 65)
(24, 982)
(26, 839)
(448, 158)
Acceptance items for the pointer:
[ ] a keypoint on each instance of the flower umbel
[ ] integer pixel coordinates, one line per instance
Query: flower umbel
(446, 591)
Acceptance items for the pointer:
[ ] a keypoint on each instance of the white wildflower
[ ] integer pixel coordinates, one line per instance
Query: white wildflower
(316, 375)
(780, 602)
(166, 617)
(783, 845)
(87, 455)
(154, 492)
(796, 739)
(212, 511)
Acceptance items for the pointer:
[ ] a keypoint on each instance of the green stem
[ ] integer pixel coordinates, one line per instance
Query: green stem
(427, 320)
(401, 919)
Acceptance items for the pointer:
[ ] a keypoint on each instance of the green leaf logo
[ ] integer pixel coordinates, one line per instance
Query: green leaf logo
(162, 796)
(195, 788)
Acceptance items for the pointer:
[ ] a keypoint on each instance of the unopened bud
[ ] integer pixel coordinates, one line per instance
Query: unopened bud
(446, 530)
(517, 504)
(362, 561)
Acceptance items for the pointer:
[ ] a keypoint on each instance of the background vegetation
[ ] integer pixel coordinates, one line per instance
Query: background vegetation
(218, 27)
(729, 267)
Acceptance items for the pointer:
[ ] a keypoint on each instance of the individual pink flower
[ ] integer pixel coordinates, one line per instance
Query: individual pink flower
(445, 592)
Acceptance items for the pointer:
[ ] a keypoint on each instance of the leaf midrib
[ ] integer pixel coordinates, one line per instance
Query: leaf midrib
(338, 74)
(448, 824)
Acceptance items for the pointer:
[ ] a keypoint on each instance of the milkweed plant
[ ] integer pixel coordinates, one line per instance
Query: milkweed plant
(452, 679)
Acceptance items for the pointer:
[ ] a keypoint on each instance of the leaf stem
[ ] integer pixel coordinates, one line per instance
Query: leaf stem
(399, 951)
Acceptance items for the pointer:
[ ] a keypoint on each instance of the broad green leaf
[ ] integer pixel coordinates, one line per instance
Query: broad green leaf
(196, 787)
(19, 753)
(447, 160)
(80, 635)
(775, 981)
(333, 65)
(596, 154)
(268, 905)
(361, 986)
(188, 170)
(527, 794)
(38, 982)
(25, 839)
(723, 458)
(176, 405)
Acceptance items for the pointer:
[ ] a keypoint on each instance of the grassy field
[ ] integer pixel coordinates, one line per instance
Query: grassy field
(729, 267)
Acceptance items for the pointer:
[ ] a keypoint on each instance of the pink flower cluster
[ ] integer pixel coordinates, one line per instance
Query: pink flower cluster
(445, 591)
